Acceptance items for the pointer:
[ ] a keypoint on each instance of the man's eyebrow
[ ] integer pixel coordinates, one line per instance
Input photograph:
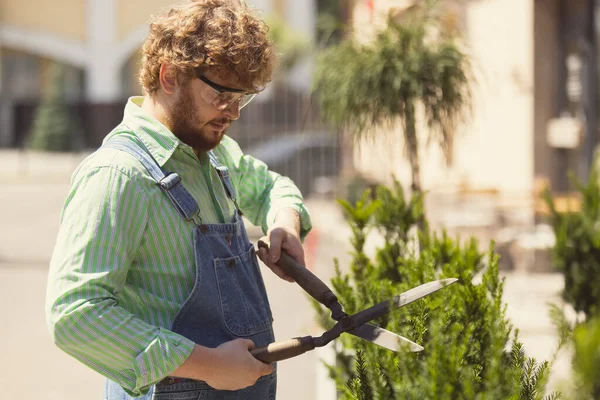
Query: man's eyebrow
(216, 86)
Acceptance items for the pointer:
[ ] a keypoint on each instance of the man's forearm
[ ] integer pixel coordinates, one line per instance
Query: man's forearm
(198, 365)
(288, 218)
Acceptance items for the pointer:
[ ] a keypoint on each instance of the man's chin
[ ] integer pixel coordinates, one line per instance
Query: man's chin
(211, 140)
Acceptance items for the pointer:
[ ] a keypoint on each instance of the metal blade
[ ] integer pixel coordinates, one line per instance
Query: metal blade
(384, 338)
(420, 291)
(398, 301)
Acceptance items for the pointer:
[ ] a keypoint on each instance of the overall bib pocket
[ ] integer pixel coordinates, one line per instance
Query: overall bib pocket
(242, 293)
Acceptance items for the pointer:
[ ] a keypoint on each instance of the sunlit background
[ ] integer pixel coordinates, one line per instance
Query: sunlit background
(532, 122)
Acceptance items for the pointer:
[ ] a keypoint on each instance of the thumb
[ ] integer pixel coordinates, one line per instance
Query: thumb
(276, 238)
(248, 343)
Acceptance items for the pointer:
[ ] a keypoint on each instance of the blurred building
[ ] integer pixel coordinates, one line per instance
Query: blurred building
(98, 42)
(535, 112)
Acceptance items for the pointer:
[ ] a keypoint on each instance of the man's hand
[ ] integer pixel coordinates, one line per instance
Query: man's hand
(227, 367)
(283, 235)
(234, 367)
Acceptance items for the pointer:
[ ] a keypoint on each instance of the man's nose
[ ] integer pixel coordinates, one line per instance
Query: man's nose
(232, 111)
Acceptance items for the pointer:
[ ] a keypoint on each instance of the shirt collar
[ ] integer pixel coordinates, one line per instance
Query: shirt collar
(160, 142)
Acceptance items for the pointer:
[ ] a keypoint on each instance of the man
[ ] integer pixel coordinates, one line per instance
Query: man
(153, 282)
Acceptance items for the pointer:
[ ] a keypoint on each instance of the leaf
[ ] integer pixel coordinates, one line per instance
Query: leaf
(563, 326)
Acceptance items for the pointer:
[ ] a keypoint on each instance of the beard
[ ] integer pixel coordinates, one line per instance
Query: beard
(187, 125)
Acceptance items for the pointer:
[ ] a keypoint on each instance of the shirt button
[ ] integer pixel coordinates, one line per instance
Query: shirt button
(203, 228)
(231, 263)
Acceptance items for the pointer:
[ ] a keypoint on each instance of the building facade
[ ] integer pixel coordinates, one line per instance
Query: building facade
(534, 61)
(97, 42)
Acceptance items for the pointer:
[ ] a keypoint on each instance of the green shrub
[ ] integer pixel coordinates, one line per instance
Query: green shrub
(577, 248)
(577, 254)
(471, 350)
(586, 359)
(52, 128)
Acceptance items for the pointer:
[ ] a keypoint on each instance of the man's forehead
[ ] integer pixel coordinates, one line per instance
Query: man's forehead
(223, 77)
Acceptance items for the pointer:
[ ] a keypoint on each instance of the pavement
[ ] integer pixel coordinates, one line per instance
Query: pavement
(34, 186)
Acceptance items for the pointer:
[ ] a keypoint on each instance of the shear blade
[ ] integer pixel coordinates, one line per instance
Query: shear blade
(384, 338)
(420, 291)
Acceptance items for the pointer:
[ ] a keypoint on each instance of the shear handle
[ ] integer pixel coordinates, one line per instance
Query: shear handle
(283, 350)
(309, 282)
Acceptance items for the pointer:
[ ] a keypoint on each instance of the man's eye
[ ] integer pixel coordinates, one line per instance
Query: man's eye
(227, 97)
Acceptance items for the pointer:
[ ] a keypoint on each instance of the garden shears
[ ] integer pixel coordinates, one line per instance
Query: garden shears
(356, 324)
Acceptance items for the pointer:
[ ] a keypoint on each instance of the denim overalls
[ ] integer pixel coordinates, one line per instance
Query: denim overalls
(228, 300)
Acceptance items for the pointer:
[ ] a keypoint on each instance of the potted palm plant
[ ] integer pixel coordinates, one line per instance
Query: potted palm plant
(413, 68)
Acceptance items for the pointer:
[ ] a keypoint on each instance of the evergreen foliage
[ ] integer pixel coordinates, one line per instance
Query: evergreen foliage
(577, 255)
(471, 350)
(586, 359)
(52, 128)
(577, 248)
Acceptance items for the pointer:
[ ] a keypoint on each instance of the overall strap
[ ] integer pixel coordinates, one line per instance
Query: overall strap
(225, 179)
(170, 183)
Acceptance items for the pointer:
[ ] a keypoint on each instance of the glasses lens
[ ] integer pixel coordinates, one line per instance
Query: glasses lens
(247, 98)
(225, 99)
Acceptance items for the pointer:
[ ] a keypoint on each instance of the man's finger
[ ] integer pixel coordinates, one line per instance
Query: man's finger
(262, 254)
(295, 251)
(276, 237)
(280, 273)
(248, 343)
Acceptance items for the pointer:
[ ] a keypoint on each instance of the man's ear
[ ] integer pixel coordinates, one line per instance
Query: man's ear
(168, 78)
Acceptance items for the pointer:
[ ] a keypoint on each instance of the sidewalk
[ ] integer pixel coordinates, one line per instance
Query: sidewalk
(32, 166)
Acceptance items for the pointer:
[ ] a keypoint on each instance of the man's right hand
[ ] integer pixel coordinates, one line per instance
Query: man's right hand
(227, 367)
(234, 367)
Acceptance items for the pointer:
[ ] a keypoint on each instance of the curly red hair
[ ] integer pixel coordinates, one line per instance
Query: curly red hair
(209, 34)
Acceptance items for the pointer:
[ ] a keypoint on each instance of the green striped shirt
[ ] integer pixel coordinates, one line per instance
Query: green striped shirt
(124, 264)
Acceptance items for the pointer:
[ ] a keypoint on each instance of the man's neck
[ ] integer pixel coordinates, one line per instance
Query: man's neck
(154, 108)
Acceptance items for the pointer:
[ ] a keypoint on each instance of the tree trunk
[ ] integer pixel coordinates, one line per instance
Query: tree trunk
(412, 146)
(416, 173)
(346, 163)
(347, 143)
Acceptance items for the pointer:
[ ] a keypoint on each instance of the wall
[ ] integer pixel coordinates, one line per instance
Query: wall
(47, 16)
(131, 14)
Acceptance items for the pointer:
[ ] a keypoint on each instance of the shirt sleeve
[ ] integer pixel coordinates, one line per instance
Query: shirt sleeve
(101, 227)
(263, 193)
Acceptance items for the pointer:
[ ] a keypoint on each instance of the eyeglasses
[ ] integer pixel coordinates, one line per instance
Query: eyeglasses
(222, 97)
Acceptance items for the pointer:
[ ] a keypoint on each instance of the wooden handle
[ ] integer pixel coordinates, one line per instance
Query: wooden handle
(307, 280)
(283, 350)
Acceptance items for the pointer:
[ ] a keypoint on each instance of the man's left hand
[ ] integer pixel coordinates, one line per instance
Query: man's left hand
(283, 235)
